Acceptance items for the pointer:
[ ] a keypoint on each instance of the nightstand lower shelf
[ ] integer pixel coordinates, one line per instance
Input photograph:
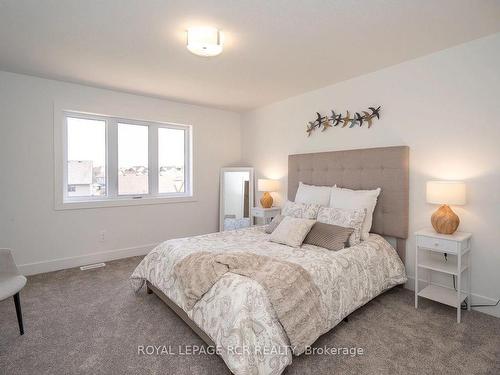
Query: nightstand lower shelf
(442, 295)
(449, 267)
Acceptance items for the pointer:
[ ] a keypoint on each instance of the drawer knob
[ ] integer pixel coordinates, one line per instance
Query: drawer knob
(436, 244)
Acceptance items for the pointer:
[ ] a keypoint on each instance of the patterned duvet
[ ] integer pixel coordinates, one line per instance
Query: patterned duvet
(236, 312)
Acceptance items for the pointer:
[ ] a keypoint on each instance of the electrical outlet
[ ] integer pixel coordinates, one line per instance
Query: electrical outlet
(102, 236)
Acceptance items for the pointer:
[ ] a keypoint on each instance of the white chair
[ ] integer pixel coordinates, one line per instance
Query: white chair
(11, 282)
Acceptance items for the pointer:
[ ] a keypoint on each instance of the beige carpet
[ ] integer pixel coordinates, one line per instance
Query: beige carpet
(92, 323)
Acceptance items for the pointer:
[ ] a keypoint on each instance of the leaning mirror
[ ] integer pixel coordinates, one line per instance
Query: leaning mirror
(236, 198)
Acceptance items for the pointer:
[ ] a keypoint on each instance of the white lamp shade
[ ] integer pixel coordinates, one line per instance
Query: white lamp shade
(204, 41)
(268, 185)
(446, 192)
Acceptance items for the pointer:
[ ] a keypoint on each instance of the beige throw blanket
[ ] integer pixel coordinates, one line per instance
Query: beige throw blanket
(289, 287)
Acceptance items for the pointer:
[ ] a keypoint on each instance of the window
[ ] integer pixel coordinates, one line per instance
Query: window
(132, 159)
(86, 161)
(107, 159)
(171, 151)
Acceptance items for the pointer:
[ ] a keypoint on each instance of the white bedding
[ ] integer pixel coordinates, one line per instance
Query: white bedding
(236, 313)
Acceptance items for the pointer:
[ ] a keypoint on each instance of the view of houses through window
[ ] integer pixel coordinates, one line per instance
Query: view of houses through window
(88, 153)
(171, 160)
(86, 157)
(132, 159)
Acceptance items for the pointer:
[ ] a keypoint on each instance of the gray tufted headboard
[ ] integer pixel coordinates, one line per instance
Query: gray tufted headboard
(384, 167)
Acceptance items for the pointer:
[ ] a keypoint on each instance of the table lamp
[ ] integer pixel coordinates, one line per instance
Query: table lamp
(267, 186)
(445, 193)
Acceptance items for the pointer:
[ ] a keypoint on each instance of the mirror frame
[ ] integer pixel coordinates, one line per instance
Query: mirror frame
(221, 192)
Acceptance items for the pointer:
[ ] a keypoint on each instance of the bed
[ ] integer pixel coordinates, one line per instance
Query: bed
(235, 315)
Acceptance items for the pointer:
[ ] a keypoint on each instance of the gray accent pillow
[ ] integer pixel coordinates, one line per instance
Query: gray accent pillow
(329, 236)
(274, 224)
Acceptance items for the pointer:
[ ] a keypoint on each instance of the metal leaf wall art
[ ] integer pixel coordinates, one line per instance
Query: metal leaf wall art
(337, 119)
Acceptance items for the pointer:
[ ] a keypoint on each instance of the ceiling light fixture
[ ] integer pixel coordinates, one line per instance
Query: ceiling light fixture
(204, 41)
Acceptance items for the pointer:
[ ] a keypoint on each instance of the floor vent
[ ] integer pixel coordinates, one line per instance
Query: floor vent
(92, 266)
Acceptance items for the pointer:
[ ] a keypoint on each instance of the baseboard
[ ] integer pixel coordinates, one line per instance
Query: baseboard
(70, 262)
(477, 299)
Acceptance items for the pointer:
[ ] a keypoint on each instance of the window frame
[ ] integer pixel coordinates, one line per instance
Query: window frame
(112, 198)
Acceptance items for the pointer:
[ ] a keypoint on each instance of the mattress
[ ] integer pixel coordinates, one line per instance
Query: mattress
(236, 313)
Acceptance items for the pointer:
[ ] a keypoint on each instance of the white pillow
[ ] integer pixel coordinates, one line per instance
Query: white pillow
(292, 231)
(344, 217)
(364, 199)
(300, 210)
(313, 194)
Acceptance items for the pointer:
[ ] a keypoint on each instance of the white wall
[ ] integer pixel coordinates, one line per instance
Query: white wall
(42, 237)
(445, 106)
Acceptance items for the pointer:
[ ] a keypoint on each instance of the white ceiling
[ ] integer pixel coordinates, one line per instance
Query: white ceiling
(274, 48)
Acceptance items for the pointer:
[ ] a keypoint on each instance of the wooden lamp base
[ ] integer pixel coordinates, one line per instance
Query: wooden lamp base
(444, 220)
(266, 201)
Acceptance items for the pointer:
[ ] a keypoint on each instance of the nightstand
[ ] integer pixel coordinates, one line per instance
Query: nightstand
(265, 213)
(431, 248)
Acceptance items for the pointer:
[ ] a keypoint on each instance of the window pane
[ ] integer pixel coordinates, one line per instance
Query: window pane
(132, 159)
(171, 160)
(86, 157)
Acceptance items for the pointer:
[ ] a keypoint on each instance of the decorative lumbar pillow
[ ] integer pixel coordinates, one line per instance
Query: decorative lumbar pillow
(292, 231)
(358, 199)
(331, 237)
(274, 224)
(344, 217)
(300, 210)
(313, 194)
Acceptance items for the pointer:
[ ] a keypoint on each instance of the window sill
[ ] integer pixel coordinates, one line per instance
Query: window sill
(121, 202)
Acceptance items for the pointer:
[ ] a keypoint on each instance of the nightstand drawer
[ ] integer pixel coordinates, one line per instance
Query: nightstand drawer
(265, 212)
(258, 213)
(438, 244)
